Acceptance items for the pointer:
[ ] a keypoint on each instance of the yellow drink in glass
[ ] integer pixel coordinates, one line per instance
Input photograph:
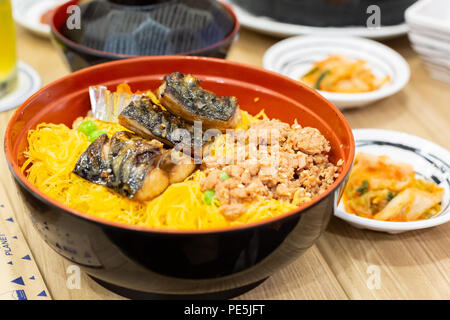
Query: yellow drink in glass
(8, 69)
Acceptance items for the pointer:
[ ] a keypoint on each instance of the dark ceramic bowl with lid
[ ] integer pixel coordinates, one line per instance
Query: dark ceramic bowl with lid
(143, 262)
(98, 31)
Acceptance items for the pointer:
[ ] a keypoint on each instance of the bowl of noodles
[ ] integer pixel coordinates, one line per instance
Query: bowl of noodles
(145, 228)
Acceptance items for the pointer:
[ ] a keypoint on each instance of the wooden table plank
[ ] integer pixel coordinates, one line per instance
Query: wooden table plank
(412, 265)
(309, 277)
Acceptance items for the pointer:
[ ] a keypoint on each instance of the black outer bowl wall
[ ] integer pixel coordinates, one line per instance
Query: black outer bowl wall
(183, 264)
(78, 58)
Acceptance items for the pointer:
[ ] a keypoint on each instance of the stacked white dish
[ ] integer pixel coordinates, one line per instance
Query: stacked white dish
(429, 24)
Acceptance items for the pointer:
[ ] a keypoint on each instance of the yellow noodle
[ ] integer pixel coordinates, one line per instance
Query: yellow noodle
(55, 148)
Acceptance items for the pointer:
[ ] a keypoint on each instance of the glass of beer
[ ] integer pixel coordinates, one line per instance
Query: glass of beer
(8, 68)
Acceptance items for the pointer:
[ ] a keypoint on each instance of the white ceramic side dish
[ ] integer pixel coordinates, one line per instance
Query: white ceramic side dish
(430, 161)
(295, 56)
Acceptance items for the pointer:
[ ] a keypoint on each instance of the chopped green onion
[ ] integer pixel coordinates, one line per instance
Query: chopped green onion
(364, 187)
(209, 195)
(87, 127)
(319, 80)
(94, 135)
(390, 196)
(224, 176)
(312, 71)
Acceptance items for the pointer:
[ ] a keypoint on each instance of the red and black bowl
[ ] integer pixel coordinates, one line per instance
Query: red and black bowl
(141, 262)
(98, 31)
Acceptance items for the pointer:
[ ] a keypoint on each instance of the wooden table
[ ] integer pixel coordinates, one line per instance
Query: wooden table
(412, 265)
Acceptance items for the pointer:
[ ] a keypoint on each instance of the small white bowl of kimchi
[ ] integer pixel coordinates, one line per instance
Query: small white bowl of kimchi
(349, 71)
(399, 182)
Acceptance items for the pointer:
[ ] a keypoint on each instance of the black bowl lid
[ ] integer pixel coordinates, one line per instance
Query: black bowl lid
(157, 27)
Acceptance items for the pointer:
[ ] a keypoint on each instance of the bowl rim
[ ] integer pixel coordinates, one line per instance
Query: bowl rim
(110, 55)
(21, 178)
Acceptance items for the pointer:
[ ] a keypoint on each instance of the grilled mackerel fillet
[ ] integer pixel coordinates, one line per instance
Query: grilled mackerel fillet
(130, 166)
(150, 121)
(182, 95)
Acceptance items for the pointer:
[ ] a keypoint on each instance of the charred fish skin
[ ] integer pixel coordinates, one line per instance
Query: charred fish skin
(150, 121)
(121, 163)
(184, 96)
(92, 164)
(131, 159)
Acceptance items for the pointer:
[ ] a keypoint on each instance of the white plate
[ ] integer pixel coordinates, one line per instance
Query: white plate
(440, 62)
(281, 29)
(430, 162)
(438, 74)
(431, 53)
(293, 57)
(28, 14)
(428, 33)
(434, 44)
(28, 82)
